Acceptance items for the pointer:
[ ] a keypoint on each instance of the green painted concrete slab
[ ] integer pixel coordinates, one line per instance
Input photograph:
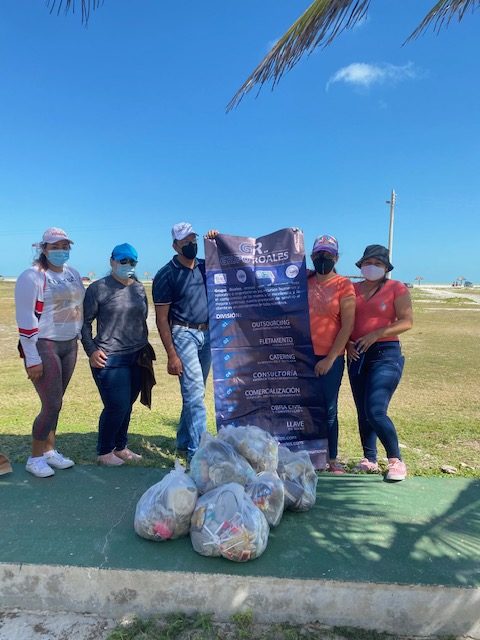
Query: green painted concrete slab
(424, 531)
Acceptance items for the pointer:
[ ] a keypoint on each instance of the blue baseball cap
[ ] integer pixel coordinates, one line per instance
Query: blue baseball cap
(125, 250)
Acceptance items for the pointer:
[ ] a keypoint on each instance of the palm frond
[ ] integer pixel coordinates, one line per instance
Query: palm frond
(442, 13)
(69, 5)
(318, 26)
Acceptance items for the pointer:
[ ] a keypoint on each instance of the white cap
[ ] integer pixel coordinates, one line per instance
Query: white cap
(54, 234)
(181, 230)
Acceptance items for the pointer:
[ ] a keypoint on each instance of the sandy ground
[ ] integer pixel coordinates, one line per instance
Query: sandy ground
(453, 293)
(41, 625)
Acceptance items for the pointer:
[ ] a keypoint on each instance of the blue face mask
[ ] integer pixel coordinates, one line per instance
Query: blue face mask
(123, 271)
(58, 257)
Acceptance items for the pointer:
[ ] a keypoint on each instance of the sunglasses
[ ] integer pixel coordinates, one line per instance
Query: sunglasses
(128, 261)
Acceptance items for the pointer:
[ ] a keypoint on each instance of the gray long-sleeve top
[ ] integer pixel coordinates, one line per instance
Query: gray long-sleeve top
(121, 313)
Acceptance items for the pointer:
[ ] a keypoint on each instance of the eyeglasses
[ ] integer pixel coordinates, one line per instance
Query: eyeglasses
(128, 261)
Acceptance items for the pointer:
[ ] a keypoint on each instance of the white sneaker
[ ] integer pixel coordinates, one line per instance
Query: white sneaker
(39, 467)
(55, 459)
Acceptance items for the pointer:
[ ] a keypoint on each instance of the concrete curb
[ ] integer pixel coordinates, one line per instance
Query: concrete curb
(410, 610)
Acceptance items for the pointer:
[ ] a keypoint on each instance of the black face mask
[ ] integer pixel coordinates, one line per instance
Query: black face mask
(323, 265)
(189, 250)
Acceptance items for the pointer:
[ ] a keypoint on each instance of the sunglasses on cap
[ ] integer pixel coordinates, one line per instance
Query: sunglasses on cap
(128, 261)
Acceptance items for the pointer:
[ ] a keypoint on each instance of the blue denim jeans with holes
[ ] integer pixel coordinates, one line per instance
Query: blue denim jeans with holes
(193, 349)
(373, 379)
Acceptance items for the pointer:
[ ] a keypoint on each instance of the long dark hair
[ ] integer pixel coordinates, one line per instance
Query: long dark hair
(41, 261)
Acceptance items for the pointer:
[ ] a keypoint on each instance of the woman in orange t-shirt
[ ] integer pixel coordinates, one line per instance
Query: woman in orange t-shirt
(331, 304)
(383, 311)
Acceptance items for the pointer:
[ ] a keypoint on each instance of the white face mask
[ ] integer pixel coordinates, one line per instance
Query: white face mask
(372, 272)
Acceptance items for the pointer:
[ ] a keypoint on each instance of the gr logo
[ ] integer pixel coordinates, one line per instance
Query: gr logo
(249, 248)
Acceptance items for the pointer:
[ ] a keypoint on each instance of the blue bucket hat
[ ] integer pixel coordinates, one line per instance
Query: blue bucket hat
(125, 250)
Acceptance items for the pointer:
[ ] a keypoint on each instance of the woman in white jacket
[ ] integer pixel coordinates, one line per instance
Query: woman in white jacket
(48, 301)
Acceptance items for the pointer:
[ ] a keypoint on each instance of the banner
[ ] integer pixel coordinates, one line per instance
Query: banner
(262, 355)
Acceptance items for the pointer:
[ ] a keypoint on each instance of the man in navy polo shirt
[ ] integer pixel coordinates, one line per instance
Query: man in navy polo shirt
(180, 298)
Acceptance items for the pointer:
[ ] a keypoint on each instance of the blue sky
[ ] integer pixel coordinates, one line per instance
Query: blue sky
(117, 131)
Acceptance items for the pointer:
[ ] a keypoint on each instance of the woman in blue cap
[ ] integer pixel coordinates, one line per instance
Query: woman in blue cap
(119, 305)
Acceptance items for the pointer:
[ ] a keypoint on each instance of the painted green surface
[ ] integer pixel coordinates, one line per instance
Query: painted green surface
(423, 531)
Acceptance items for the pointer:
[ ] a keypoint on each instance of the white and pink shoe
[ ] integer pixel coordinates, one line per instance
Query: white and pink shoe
(366, 466)
(109, 460)
(397, 470)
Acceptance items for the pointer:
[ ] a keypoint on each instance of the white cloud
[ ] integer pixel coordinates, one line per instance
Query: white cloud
(361, 74)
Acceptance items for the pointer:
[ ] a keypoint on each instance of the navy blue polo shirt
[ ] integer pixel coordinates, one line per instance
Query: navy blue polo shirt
(184, 289)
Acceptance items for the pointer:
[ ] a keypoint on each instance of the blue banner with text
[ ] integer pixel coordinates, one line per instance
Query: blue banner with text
(262, 355)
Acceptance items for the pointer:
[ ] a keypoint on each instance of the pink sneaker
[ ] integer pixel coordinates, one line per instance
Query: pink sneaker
(366, 466)
(335, 467)
(127, 456)
(397, 470)
(109, 460)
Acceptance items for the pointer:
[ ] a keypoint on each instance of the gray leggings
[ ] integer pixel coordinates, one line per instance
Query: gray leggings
(58, 359)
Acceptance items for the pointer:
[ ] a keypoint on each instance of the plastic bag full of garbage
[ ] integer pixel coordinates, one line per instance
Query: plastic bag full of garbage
(299, 478)
(164, 511)
(268, 494)
(226, 523)
(254, 444)
(216, 462)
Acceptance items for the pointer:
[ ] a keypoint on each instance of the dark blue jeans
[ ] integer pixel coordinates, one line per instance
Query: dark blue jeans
(374, 378)
(328, 387)
(119, 385)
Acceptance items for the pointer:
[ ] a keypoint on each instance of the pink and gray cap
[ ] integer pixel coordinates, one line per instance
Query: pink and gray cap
(326, 243)
(54, 234)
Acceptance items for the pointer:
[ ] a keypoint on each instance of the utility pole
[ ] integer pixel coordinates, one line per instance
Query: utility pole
(391, 202)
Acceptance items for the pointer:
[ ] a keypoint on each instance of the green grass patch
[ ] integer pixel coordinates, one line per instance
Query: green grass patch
(241, 626)
(435, 409)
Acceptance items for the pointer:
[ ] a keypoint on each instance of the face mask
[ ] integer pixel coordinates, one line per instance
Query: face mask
(58, 257)
(372, 272)
(323, 265)
(123, 271)
(189, 250)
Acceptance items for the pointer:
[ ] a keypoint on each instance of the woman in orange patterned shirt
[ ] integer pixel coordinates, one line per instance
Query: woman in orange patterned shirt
(331, 303)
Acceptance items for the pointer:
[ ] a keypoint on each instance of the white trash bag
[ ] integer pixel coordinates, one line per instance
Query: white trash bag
(299, 478)
(164, 511)
(216, 462)
(226, 523)
(268, 494)
(254, 444)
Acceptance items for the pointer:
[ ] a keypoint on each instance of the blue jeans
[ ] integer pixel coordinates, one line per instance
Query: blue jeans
(374, 378)
(193, 349)
(328, 388)
(119, 384)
